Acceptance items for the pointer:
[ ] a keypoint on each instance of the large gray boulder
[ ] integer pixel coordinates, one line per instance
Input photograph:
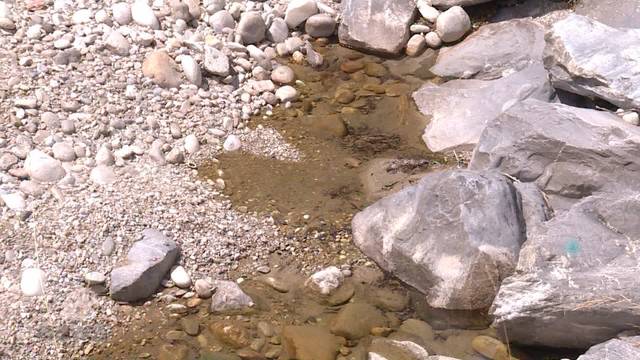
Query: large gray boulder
(569, 152)
(616, 13)
(592, 59)
(615, 349)
(460, 109)
(453, 236)
(493, 51)
(450, 3)
(576, 280)
(148, 261)
(376, 26)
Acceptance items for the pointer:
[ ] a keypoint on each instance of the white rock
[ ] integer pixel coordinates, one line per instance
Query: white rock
(232, 143)
(453, 24)
(433, 40)
(118, 44)
(122, 13)
(102, 175)
(191, 144)
(221, 20)
(95, 278)
(180, 277)
(278, 31)
(326, 280)
(283, 75)
(286, 93)
(416, 45)
(5, 11)
(32, 282)
(427, 11)
(82, 16)
(104, 156)
(632, 118)
(298, 11)
(14, 201)
(63, 151)
(175, 156)
(101, 16)
(216, 62)
(191, 69)
(143, 15)
(42, 167)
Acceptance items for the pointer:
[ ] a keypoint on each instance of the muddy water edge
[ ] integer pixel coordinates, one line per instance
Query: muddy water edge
(358, 138)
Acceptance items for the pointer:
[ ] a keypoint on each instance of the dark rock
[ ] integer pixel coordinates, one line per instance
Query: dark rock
(355, 320)
(453, 236)
(309, 342)
(615, 349)
(148, 261)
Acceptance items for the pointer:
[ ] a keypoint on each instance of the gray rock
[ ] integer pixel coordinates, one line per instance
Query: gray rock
(229, 297)
(314, 58)
(453, 236)
(298, 11)
(143, 15)
(191, 69)
(576, 272)
(251, 27)
(569, 152)
(433, 40)
(320, 25)
(122, 13)
(615, 349)
(221, 20)
(216, 62)
(148, 261)
(592, 59)
(535, 209)
(453, 24)
(42, 167)
(278, 31)
(63, 151)
(493, 51)
(616, 13)
(450, 3)
(191, 144)
(376, 26)
(118, 44)
(68, 126)
(175, 156)
(460, 109)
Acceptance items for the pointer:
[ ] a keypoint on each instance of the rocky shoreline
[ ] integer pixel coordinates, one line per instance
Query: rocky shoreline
(109, 109)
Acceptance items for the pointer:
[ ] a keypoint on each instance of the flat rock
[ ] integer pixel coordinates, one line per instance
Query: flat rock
(310, 342)
(570, 153)
(616, 13)
(161, 68)
(216, 62)
(453, 236)
(615, 349)
(148, 261)
(594, 60)
(576, 272)
(376, 26)
(391, 349)
(449, 3)
(229, 297)
(460, 109)
(493, 51)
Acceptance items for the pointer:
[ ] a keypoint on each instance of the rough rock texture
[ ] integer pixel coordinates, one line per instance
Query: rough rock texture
(493, 51)
(229, 297)
(616, 13)
(148, 261)
(453, 236)
(576, 275)
(592, 59)
(376, 26)
(161, 68)
(453, 24)
(569, 152)
(450, 3)
(460, 109)
(535, 209)
(615, 349)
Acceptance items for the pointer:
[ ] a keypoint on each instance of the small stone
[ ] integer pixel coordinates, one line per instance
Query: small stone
(180, 277)
(283, 75)
(104, 157)
(143, 15)
(14, 201)
(122, 13)
(68, 126)
(102, 175)
(298, 11)
(7, 160)
(427, 11)
(118, 44)
(276, 284)
(278, 31)
(490, 347)
(251, 27)
(222, 20)
(231, 333)
(95, 278)
(232, 143)
(356, 320)
(419, 29)
(63, 151)
(108, 246)
(453, 24)
(286, 93)
(161, 68)
(43, 168)
(191, 144)
(433, 40)
(7, 24)
(216, 62)
(204, 288)
(229, 297)
(326, 280)
(190, 326)
(175, 156)
(26, 102)
(32, 282)
(416, 45)
(320, 25)
(344, 96)
(352, 66)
